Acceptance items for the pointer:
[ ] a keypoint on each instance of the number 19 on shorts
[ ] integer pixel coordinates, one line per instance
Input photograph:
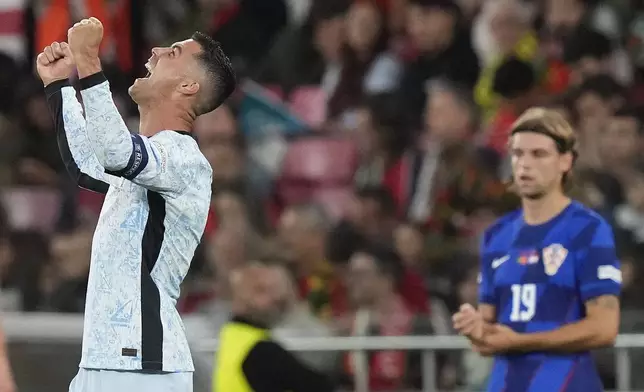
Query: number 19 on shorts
(524, 302)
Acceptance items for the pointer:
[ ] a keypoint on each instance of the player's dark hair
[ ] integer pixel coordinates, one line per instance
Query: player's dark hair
(219, 71)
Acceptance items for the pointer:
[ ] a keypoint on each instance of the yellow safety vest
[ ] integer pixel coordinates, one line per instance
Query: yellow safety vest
(235, 342)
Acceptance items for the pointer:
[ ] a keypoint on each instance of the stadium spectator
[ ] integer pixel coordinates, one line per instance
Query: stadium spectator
(375, 276)
(302, 54)
(516, 82)
(595, 102)
(444, 50)
(366, 66)
(503, 29)
(247, 357)
(590, 53)
(303, 231)
(382, 136)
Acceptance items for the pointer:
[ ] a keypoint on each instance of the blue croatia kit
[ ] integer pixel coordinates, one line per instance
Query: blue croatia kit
(538, 278)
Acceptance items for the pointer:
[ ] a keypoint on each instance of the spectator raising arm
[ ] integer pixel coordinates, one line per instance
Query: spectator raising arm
(155, 163)
(54, 65)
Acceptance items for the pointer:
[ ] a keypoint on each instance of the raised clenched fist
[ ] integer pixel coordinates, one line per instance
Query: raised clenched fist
(85, 37)
(55, 63)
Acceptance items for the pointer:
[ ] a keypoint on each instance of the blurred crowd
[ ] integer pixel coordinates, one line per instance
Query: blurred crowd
(365, 148)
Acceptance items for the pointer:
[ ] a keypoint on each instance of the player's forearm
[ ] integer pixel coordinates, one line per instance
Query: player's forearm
(583, 335)
(87, 65)
(70, 126)
(106, 130)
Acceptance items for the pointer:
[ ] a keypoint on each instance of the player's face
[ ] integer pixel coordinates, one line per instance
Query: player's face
(170, 69)
(537, 165)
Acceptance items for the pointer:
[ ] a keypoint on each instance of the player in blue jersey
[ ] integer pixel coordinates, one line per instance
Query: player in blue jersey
(550, 278)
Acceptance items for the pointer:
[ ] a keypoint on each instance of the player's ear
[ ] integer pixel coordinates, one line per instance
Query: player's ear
(188, 87)
(566, 161)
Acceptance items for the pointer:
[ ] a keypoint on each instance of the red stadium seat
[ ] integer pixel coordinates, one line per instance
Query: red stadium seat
(315, 163)
(320, 160)
(309, 104)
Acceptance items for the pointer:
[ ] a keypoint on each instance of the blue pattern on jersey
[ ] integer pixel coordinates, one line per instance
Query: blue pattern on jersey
(538, 278)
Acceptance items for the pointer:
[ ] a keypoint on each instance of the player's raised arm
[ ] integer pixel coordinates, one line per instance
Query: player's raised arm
(54, 65)
(114, 146)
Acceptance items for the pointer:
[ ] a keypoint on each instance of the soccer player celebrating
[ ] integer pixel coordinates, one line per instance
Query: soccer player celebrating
(158, 187)
(550, 277)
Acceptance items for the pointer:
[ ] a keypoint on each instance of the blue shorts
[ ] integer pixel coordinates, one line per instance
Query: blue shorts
(88, 380)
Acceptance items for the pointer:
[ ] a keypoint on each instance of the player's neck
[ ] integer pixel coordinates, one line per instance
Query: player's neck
(539, 211)
(157, 118)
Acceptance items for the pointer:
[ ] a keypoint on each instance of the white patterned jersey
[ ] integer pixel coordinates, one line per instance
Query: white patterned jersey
(157, 196)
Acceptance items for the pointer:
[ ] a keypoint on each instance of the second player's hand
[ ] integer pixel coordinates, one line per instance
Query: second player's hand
(55, 63)
(469, 322)
(85, 38)
(498, 339)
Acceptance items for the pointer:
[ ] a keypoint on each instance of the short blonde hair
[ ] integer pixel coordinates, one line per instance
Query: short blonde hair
(550, 123)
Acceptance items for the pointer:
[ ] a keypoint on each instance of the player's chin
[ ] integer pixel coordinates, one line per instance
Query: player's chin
(531, 194)
(136, 88)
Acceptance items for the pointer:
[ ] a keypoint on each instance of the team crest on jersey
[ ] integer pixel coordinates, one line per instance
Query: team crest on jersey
(528, 257)
(553, 257)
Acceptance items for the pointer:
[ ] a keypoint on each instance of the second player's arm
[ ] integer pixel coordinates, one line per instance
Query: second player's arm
(598, 329)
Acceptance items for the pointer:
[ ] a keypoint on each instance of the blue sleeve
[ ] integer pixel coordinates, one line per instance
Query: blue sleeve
(486, 282)
(598, 270)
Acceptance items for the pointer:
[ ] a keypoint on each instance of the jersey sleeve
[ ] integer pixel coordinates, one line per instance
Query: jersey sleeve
(486, 282)
(156, 163)
(71, 133)
(598, 269)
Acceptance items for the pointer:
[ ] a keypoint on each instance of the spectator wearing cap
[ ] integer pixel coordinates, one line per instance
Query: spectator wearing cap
(444, 50)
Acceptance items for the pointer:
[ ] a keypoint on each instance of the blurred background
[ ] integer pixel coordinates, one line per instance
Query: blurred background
(354, 121)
